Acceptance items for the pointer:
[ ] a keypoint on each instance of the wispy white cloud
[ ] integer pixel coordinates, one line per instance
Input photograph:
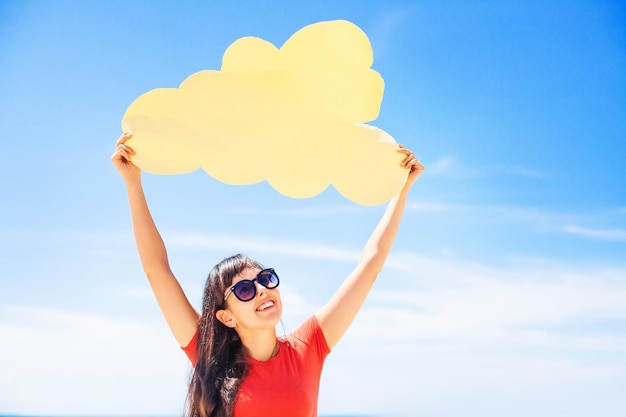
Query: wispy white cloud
(452, 165)
(441, 166)
(540, 220)
(457, 328)
(618, 235)
(432, 206)
(261, 244)
(61, 361)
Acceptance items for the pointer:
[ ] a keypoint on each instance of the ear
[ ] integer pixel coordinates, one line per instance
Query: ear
(225, 318)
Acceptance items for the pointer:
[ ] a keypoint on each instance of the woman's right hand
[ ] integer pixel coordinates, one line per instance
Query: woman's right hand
(121, 159)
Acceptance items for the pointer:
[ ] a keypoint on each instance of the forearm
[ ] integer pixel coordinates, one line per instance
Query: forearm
(150, 245)
(378, 246)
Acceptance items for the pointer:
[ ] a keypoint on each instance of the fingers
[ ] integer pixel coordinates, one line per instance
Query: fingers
(121, 149)
(123, 152)
(410, 161)
(126, 148)
(122, 160)
(123, 138)
(416, 166)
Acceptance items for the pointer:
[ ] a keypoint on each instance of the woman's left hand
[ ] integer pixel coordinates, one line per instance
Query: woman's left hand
(411, 162)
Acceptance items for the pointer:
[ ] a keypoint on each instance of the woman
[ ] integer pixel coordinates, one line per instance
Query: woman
(241, 368)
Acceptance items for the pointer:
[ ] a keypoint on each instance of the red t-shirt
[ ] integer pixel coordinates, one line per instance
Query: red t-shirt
(287, 385)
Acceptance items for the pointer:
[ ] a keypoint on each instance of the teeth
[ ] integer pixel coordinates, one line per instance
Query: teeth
(265, 305)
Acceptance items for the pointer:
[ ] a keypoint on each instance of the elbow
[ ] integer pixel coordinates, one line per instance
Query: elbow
(155, 270)
(372, 265)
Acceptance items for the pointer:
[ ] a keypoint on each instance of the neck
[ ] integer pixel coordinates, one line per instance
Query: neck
(260, 345)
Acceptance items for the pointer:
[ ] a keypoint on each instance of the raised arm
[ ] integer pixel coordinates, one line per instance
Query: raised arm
(180, 315)
(337, 315)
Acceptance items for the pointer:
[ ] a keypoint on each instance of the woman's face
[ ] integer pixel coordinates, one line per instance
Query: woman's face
(261, 312)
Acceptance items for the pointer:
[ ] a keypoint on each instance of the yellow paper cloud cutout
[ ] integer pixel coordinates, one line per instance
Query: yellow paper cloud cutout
(292, 116)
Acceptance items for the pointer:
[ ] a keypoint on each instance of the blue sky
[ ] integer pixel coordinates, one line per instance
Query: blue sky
(505, 293)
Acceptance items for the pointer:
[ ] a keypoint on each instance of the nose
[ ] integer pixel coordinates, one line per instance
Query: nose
(260, 289)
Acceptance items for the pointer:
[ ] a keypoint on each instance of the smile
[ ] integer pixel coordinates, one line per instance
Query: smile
(265, 305)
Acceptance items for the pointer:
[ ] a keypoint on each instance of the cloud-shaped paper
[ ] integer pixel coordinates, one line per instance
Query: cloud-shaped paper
(292, 116)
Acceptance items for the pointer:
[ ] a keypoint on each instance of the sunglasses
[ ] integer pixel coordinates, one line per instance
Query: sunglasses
(245, 290)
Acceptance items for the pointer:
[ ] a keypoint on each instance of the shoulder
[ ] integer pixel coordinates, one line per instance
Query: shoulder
(310, 335)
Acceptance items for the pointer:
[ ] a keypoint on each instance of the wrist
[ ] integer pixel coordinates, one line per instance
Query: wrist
(133, 182)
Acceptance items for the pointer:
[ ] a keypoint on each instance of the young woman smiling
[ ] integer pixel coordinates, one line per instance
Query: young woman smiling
(241, 368)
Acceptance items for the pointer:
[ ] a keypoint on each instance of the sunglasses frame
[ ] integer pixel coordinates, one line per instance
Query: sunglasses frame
(233, 288)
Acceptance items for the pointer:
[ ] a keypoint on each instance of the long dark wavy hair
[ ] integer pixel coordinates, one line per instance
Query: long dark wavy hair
(221, 366)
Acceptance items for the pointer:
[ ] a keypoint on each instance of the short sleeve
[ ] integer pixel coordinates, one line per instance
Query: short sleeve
(310, 333)
(191, 350)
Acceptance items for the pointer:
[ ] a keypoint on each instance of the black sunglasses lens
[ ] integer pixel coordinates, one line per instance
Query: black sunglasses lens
(245, 290)
(268, 278)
